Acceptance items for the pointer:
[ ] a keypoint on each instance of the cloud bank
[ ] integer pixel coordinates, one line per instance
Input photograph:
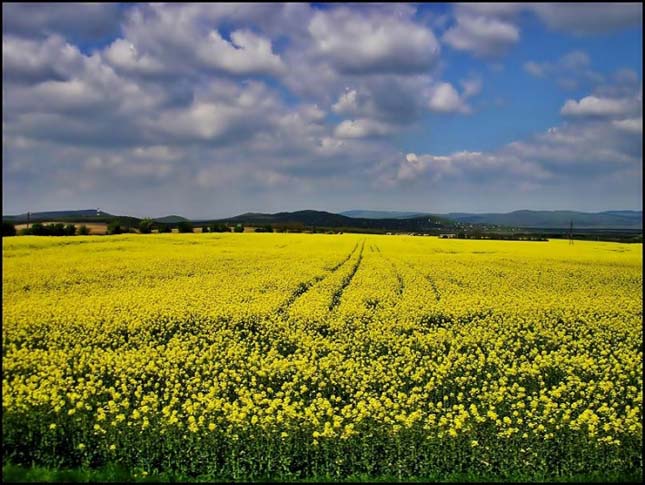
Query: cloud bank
(212, 109)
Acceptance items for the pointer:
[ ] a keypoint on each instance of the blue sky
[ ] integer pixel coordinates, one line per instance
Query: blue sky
(213, 110)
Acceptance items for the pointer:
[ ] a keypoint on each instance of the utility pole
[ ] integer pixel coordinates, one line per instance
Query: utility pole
(571, 233)
(28, 219)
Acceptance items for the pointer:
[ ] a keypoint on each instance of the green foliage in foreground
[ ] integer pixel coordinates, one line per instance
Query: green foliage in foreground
(114, 473)
(357, 459)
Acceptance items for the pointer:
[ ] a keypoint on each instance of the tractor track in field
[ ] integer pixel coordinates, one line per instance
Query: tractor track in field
(401, 286)
(335, 299)
(305, 286)
(344, 260)
(429, 279)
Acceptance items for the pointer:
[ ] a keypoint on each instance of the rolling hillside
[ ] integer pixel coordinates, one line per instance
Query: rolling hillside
(378, 221)
(58, 215)
(308, 219)
(555, 219)
(525, 218)
(173, 219)
(368, 214)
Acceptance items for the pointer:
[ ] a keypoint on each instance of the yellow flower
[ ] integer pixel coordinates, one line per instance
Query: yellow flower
(365, 337)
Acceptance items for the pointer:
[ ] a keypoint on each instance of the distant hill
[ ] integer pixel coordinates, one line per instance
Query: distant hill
(73, 216)
(379, 221)
(367, 214)
(173, 219)
(56, 215)
(309, 219)
(554, 219)
(305, 217)
(524, 218)
(638, 214)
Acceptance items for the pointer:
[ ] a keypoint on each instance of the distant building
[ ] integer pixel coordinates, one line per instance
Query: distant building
(447, 236)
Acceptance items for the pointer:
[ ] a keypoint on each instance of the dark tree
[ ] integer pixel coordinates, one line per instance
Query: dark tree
(114, 228)
(39, 229)
(8, 229)
(185, 226)
(145, 226)
(219, 228)
(57, 229)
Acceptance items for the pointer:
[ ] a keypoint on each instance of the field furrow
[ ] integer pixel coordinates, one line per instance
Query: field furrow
(316, 304)
(335, 299)
(303, 287)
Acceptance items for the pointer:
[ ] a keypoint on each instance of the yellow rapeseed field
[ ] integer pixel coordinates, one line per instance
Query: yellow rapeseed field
(299, 355)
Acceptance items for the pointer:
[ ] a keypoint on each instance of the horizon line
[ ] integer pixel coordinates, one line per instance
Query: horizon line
(331, 212)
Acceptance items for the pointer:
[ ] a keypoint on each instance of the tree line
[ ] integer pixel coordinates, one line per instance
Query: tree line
(145, 226)
(39, 229)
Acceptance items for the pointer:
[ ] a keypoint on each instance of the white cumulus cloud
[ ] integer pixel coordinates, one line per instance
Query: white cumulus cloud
(358, 42)
(592, 106)
(486, 37)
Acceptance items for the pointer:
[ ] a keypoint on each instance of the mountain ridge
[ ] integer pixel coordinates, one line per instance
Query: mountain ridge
(171, 219)
(555, 219)
(384, 220)
(312, 218)
(527, 218)
(61, 214)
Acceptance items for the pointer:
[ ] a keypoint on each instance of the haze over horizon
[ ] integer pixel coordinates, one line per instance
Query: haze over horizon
(213, 110)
